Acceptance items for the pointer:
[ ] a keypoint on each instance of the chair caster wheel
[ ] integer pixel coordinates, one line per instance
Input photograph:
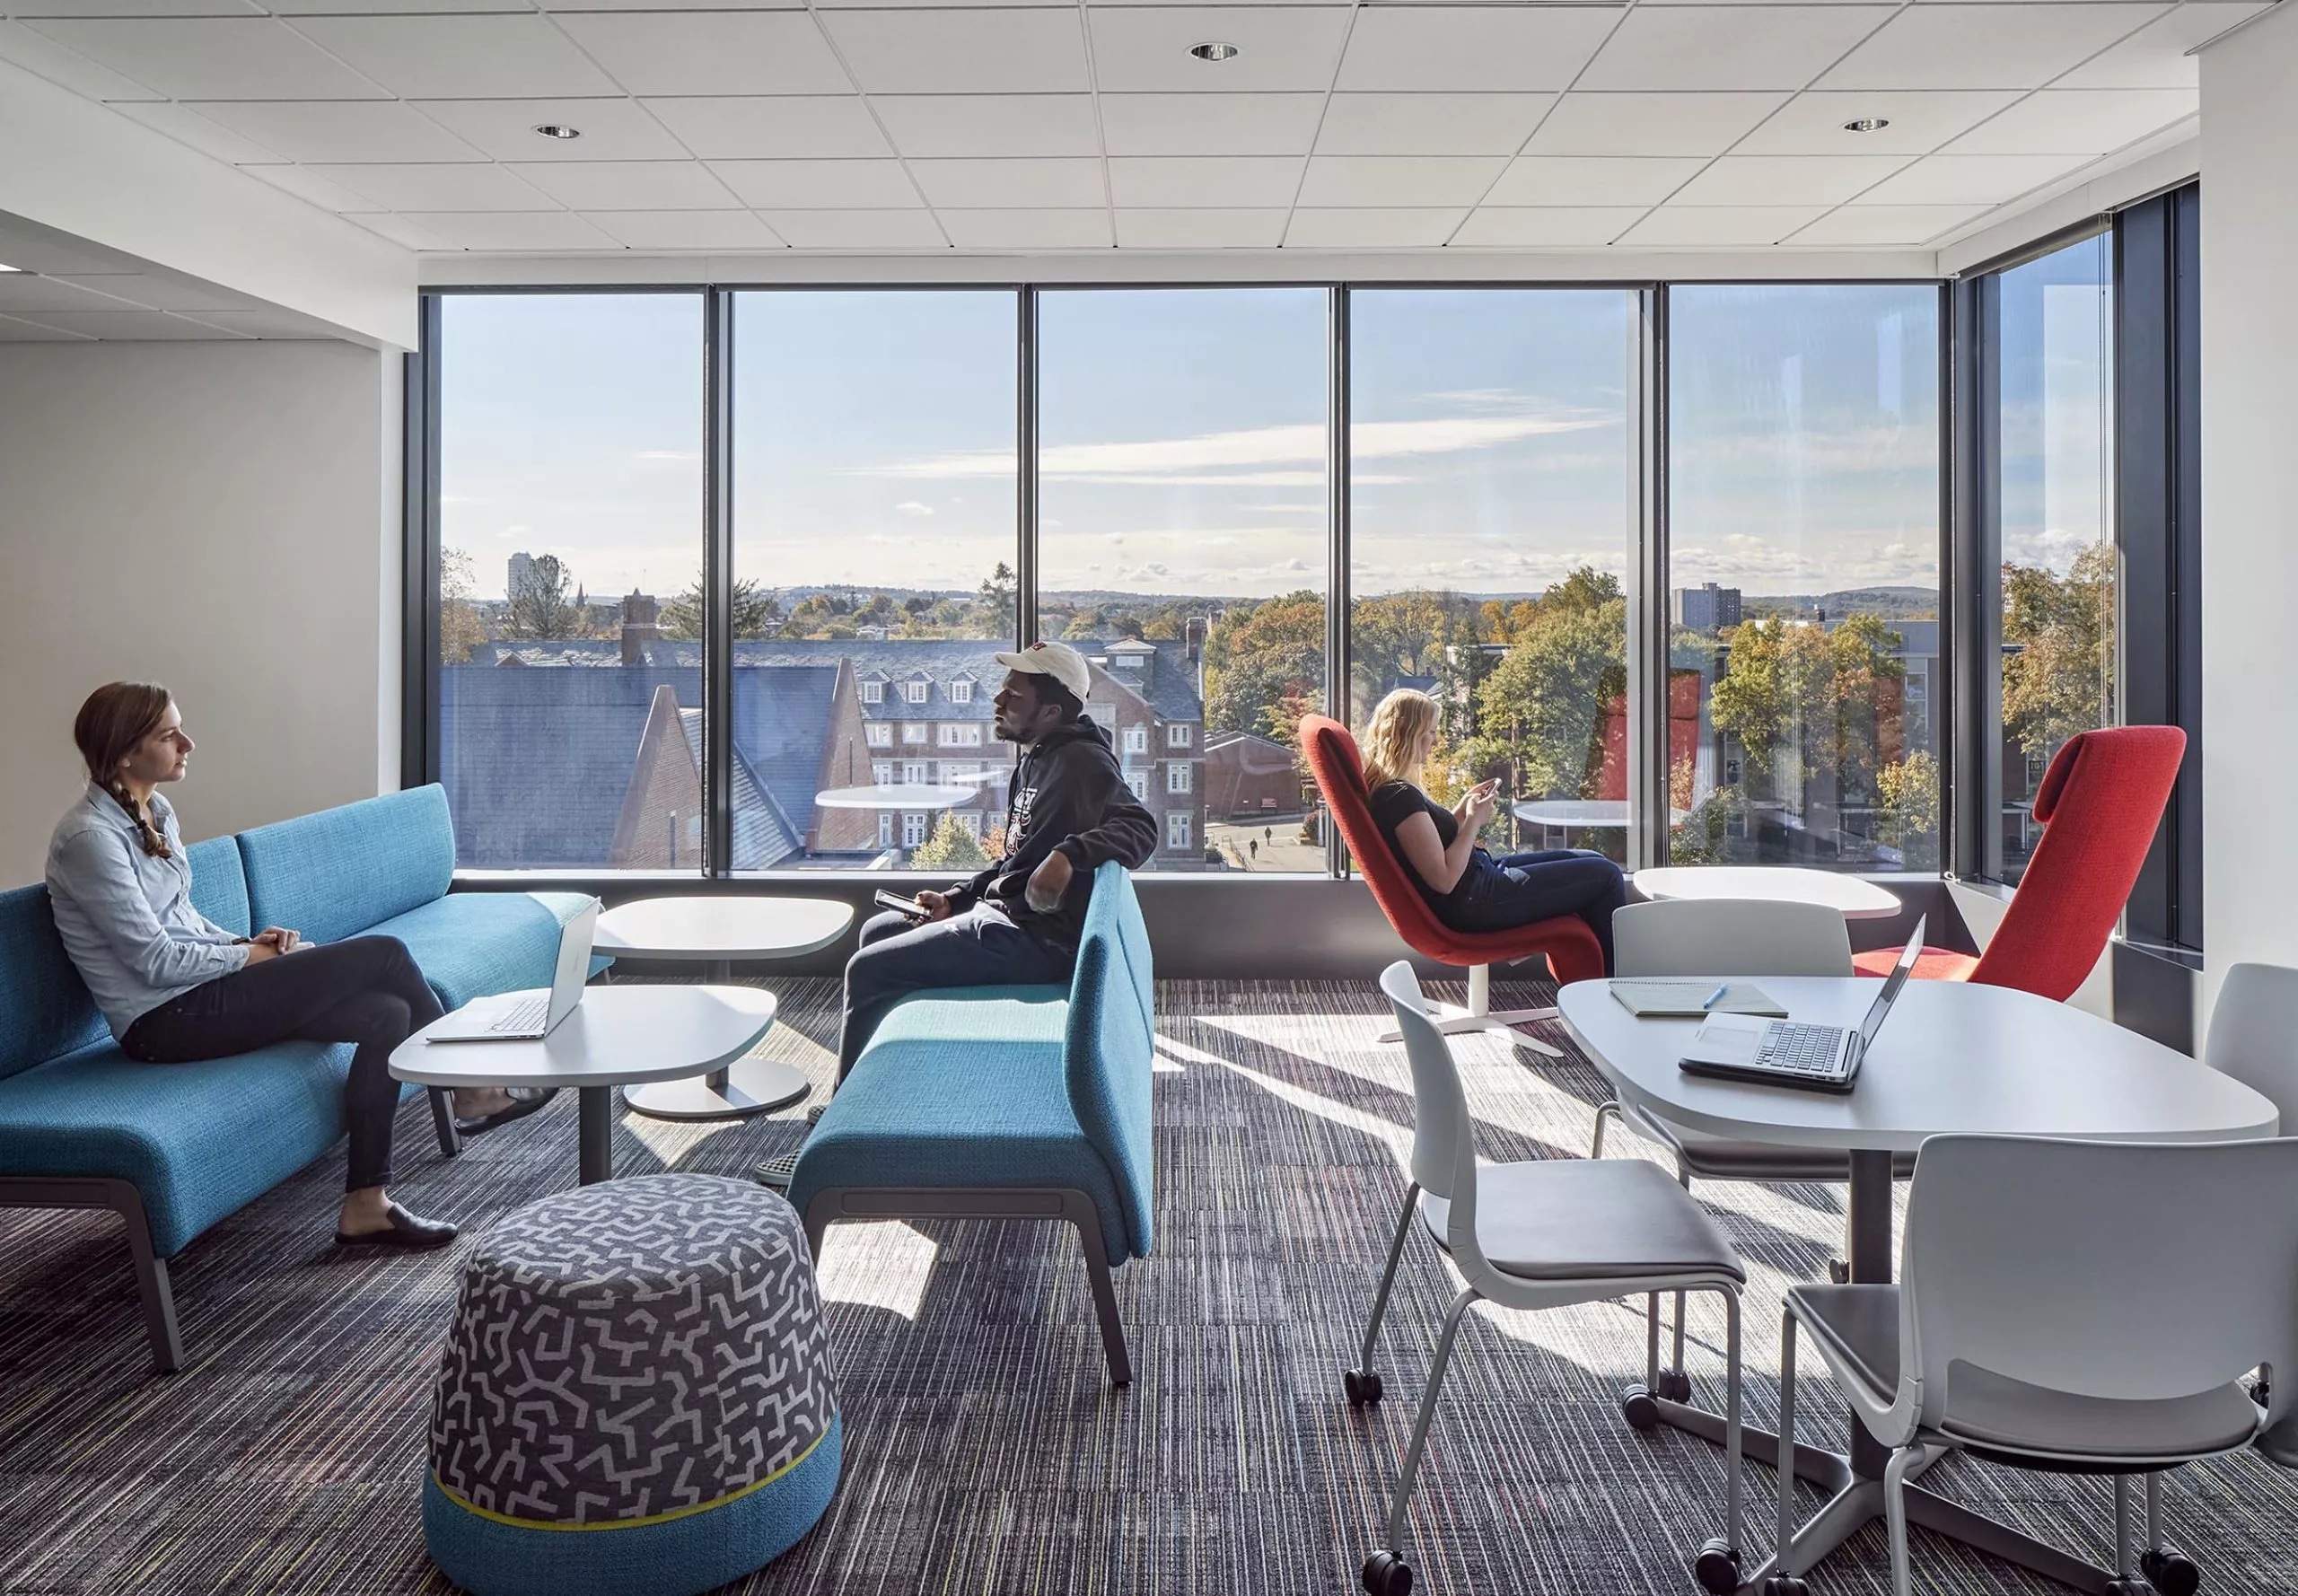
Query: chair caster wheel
(1640, 1408)
(1786, 1585)
(1387, 1574)
(1675, 1386)
(1717, 1568)
(2170, 1572)
(1839, 1272)
(1363, 1386)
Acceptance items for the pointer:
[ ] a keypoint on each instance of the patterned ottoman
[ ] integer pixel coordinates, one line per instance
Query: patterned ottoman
(636, 1397)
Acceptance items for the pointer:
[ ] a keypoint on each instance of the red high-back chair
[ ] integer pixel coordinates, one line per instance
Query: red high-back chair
(2099, 804)
(1572, 950)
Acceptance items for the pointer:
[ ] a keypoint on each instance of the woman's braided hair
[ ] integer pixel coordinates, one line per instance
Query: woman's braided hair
(115, 717)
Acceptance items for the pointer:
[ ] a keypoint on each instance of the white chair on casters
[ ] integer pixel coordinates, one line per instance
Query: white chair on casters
(2074, 1307)
(1547, 1233)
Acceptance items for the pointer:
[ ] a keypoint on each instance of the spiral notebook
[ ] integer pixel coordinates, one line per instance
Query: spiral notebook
(1688, 1000)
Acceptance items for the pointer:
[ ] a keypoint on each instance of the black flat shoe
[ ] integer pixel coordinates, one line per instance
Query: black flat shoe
(777, 1173)
(406, 1230)
(525, 1101)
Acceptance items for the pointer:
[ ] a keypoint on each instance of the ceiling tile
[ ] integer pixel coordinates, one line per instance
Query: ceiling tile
(974, 52)
(312, 188)
(185, 126)
(1187, 229)
(819, 185)
(765, 127)
(611, 130)
(460, 57)
(213, 58)
(12, 331)
(857, 229)
(341, 130)
(142, 327)
(1210, 124)
(1984, 47)
(1449, 48)
(2077, 122)
(1735, 46)
(1720, 226)
(1400, 180)
(1053, 182)
(401, 232)
(685, 230)
(960, 125)
(1371, 229)
(134, 8)
(1430, 124)
(710, 52)
(395, 187)
(629, 185)
(24, 295)
(2155, 57)
(1584, 180)
(1548, 227)
(1027, 230)
(1786, 180)
(1691, 124)
(1921, 120)
(69, 69)
(1904, 224)
(513, 230)
(1203, 182)
(270, 322)
(1145, 48)
(1969, 180)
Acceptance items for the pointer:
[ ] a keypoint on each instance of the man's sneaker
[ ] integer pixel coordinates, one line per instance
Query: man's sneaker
(814, 1115)
(777, 1173)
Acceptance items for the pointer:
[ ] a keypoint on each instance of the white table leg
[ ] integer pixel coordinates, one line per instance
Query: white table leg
(746, 1087)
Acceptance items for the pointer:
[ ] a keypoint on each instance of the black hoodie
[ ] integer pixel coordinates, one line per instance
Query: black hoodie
(1069, 797)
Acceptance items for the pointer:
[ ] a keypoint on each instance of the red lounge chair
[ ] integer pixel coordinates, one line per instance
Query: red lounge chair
(2099, 804)
(1572, 950)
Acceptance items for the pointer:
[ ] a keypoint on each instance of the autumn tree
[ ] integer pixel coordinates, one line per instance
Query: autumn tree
(1818, 695)
(756, 612)
(1542, 708)
(1264, 664)
(1908, 794)
(542, 607)
(460, 630)
(2058, 676)
(951, 847)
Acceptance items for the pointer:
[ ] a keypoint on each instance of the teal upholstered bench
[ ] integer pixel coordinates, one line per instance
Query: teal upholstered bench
(174, 1148)
(1008, 1103)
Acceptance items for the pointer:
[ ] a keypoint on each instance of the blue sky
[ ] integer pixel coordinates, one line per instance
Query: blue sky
(1182, 436)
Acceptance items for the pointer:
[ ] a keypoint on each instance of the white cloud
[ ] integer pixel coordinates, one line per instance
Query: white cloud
(912, 507)
(668, 454)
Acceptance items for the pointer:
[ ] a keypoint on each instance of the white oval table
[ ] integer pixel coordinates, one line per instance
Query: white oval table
(1854, 898)
(721, 930)
(1952, 1057)
(617, 1036)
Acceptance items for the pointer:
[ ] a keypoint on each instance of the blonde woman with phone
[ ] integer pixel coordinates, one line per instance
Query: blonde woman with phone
(1467, 887)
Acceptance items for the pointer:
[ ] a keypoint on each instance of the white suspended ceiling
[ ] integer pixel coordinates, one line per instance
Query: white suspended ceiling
(1399, 126)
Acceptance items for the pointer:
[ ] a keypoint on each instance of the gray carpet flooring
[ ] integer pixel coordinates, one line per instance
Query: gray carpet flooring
(985, 1450)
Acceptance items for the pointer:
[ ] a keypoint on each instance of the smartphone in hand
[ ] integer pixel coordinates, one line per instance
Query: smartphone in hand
(900, 905)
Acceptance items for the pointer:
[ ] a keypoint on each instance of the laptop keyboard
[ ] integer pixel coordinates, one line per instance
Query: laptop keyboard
(1802, 1049)
(528, 1016)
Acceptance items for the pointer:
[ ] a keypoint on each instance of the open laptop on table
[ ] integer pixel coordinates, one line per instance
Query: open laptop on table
(1787, 1053)
(528, 1016)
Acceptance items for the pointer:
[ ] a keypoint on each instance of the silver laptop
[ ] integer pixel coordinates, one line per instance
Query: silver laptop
(528, 1016)
(1787, 1053)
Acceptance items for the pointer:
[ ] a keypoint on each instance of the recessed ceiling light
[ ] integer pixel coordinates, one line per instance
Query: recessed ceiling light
(1867, 125)
(1213, 50)
(557, 130)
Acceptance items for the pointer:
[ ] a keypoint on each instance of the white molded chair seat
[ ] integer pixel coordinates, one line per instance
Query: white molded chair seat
(1717, 1158)
(1565, 1219)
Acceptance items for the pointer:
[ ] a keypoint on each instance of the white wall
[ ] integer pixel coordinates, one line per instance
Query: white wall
(219, 517)
(2249, 493)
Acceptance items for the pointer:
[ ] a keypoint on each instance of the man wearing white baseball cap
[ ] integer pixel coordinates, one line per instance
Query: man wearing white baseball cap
(1019, 921)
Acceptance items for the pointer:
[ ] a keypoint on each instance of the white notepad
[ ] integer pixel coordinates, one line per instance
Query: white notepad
(1688, 1000)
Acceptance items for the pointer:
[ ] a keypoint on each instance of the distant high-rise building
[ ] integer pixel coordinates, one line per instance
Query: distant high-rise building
(523, 575)
(1706, 608)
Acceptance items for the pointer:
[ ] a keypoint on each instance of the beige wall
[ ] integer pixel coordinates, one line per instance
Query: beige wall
(219, 517)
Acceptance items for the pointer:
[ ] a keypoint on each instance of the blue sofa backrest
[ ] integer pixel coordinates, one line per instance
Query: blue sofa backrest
(333, 874)
(1111, 1045)
(45, 1009)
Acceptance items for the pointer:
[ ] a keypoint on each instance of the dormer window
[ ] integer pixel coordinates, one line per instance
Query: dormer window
(961, 692)
(873, 692)
(914, 692)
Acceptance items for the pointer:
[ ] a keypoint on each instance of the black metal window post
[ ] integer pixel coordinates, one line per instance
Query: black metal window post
(1647, 608)
(1338, 685)
(1025, 474)
(718, 582)
(418, 703)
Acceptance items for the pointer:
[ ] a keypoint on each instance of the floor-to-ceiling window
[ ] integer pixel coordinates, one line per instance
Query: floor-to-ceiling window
(1802, 583)
(1183, 515)
(1492, 503)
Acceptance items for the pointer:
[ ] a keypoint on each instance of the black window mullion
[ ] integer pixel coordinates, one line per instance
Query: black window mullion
(1338, 688)
(419, 568)
(718, 582)
(1025, 478)
(1648, 681)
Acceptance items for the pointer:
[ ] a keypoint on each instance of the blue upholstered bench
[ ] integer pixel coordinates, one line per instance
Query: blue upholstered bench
(1008, 1103)
(174, 1148)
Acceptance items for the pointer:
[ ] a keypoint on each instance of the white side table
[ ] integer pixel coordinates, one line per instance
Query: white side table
(722, 930)
(617, 1036)
(1854, 898)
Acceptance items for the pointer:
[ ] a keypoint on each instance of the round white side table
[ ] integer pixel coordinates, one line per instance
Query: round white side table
(1848, 894)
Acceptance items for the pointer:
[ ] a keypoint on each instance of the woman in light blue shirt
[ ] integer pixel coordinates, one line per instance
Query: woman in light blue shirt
(175, 988)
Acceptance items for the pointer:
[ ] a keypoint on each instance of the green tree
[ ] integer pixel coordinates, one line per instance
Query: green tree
(951, 847)
(1907, 794)
(543, 608)
(756, 611)
(1542, 708)
(997, 598)
(460, 631)
(2059, 678)
(1264, 662)
(1821, 695)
